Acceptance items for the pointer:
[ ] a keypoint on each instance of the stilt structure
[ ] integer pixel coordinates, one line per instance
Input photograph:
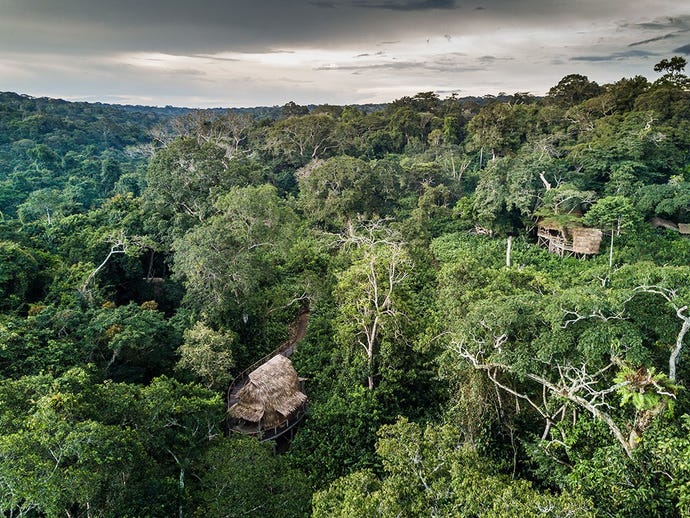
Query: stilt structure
(267, 399)
(568, 240)
(270, 402)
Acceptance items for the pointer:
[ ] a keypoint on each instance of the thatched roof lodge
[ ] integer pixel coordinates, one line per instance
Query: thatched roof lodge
(568, 239)
(270, 402)
(658, 222)
(682, 228)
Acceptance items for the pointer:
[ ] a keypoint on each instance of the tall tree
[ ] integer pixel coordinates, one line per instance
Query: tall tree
(368, 291)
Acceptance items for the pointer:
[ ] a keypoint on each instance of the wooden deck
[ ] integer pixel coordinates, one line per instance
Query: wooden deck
(268, 434)
(561, 246)
(555, 244)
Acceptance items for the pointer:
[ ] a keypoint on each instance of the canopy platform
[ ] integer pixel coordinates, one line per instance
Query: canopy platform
(572, 241)
(267, 400)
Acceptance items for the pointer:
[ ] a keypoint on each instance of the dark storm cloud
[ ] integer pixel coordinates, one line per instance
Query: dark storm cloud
(181, 26)
(341, 50)
(164, 25)
(685, 49)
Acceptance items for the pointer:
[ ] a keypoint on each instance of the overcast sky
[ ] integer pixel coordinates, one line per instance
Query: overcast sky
(207, 53)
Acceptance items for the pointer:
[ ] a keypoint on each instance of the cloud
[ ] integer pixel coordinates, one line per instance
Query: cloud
(681, 23)
(407, 5)
(616, 56)
(685, 49)
(215, 58)
(651, 40)
(443, 64)
(487, 60)
(396, 65)
(244, 52)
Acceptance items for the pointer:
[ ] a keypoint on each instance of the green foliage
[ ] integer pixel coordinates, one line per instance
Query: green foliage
(427, 472)
(642, 388)
(612, 212)
(138, 252)
(18, 275)
(185, 179)
(349, 417)
(76, 444)
(299, 138)
(132, 342)
(225, 260)
(671, 451)
(620, 486)
(342, 188)
(573, 89)
(207, 354)
(242, 477)
(499, 129)
(671, 200)
(673, 69)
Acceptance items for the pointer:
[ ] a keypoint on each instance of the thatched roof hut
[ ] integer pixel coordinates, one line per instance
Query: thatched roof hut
(270, 397)
(658, 222)
(568, 238)
(586, 240)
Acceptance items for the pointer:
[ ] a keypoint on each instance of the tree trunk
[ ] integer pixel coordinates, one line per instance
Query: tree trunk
(509, 249)
(181, 509)
(611, 250)
(679, 343)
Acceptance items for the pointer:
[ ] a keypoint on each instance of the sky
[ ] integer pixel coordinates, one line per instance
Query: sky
(233, 53)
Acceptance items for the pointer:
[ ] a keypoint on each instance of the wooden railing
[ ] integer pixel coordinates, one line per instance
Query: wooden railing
(267, 434)
(556, 243)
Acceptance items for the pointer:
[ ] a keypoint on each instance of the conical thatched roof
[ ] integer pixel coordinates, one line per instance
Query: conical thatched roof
(271, 395)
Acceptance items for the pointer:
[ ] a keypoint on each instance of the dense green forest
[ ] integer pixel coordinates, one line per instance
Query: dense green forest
(454, 367)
